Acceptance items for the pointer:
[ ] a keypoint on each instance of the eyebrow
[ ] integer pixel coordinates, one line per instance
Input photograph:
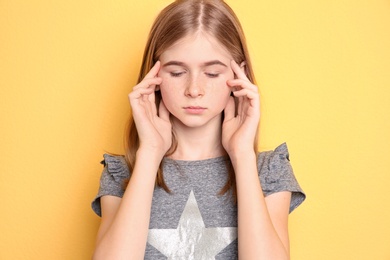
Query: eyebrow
(206, 64)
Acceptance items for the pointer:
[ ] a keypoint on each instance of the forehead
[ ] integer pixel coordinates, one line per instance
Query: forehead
(196, 47)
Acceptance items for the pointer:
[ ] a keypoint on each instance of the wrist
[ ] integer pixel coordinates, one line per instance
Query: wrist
(150, 156)
(243, 157)
(245, 169)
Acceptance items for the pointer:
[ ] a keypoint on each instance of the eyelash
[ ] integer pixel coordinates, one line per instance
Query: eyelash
(178, 74)
(212, 75)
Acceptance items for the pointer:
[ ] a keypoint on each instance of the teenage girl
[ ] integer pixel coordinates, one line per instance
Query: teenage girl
(191, 184)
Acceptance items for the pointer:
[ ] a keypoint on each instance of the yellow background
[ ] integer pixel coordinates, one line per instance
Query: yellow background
(66, 68)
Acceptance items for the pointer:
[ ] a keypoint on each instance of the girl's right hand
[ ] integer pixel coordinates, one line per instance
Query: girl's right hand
(154, 129)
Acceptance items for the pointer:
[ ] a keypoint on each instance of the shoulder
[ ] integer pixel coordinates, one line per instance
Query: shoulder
(273, 159)
(112, 179)
(276, 174)
(116, 166)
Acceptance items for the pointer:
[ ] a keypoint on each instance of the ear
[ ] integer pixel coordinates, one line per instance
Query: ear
(157, 88)
(243, 66)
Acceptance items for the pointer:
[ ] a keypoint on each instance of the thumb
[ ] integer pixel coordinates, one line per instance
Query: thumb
(229, 109)
(163, 112)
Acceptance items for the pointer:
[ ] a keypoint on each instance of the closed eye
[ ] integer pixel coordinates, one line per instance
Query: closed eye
(212, 75)
(176, 74)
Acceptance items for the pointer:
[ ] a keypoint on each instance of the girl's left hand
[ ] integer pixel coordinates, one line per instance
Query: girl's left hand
(239, 130)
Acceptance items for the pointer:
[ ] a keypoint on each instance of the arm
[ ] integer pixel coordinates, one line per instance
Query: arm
(124, 225)
(262, 222)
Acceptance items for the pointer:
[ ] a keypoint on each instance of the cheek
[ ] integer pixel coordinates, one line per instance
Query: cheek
(220, 88)
(171, 83)
(165, 93)
(168, 100)
(166, 85)
(168, 94)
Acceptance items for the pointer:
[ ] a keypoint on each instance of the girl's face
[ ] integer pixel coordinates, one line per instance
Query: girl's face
(194, 72)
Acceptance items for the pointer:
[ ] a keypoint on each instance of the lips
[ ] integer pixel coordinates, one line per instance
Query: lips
(194, 110)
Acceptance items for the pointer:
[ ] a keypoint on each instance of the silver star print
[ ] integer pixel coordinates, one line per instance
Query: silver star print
(191, 239)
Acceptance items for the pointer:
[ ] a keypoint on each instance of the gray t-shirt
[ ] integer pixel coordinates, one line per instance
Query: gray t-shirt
(193, 221)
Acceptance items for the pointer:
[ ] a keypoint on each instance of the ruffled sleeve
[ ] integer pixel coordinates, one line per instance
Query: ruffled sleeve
(115, 172)
(276, 174)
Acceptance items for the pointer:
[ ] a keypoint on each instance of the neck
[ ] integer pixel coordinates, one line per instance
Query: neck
(198, 143)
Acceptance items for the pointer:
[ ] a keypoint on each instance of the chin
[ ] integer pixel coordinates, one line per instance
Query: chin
(196, 121)
(191, 123)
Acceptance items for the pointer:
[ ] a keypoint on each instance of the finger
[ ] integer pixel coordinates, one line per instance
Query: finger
(138, 93)
(242, 84)
(247, 106)
(150, 103)
(240, 105)
(238, 71)
(153, 71)
(145, 83)
(229, 109)
(247, 99)
(163, 111)
(140, 103)
(245, 93)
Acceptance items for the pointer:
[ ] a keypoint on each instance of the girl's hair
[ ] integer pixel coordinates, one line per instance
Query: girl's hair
(176, 21)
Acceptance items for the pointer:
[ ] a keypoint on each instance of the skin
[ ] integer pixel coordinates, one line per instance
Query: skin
(196, 77)
(195, 73)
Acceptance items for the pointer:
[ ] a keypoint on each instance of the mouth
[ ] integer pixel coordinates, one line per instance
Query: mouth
(194, 109)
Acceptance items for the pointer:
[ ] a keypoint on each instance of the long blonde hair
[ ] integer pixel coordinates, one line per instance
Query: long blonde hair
(174, 22)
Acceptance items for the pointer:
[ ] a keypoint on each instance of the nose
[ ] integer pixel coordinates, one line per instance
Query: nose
(194, 88)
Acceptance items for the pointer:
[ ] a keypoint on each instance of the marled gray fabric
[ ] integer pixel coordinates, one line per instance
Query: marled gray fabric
(204, 178)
